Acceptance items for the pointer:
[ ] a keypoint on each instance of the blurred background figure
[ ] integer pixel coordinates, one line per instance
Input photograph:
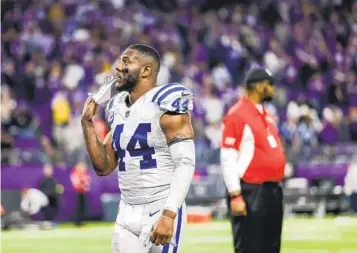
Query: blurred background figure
(81, 183)
(351, 185)
(61, 113)
(2, 211)
(32, 200)
(48, 186)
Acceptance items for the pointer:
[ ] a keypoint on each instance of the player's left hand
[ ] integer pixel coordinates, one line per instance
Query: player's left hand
(162, 231)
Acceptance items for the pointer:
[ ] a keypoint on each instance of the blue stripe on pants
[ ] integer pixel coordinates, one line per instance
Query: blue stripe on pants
(178, 231)
(166, 248)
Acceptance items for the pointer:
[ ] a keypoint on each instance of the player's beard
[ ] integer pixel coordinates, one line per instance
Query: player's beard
(130, 82)
(267, 98)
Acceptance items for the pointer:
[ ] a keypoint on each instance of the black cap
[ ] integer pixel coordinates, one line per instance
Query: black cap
(257, 75)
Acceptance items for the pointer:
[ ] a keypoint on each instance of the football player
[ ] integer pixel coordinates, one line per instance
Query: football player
(151, 144)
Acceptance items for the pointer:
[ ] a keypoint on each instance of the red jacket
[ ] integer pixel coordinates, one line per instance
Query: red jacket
(261, 156)
(80, 180)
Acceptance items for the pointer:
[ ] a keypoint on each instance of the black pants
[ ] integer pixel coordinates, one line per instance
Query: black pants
(260, 230)
(50, 211)
(81, 208)
(354, 202)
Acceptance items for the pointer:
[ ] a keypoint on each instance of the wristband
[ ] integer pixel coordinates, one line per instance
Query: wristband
(237, 198)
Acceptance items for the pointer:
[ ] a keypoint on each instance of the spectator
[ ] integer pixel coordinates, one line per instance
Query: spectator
(51, 154)
(32, 37)
(337, 94)
(316, 88)
(214, 107)
(8, 104)
(272, 59)
(221, 77)
(54, 77)
(72, 75)
(168, 61)
(81, 183)
(332, 119)
(305, 133)
(9, 77)
(27, 83)
(201, 143)
(3, 211)
(48, 186)
(351, 84)
(61, 116)
(72, 136)
(288, 128)
(22, 120)
(7, 146)
(351, 185)
(56, 14)
(31, 203)
(213, 134)
(353, 122)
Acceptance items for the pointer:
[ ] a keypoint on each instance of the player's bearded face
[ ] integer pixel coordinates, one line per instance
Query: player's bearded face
(268, 92)
(267, 98)
(127, 80)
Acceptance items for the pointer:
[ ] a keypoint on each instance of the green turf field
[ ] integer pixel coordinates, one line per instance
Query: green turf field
(330, 235)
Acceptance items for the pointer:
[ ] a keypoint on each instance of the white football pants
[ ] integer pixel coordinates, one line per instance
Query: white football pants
(133, 226)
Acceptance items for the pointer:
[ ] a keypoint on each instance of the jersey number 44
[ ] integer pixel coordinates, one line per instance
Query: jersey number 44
(140, 136)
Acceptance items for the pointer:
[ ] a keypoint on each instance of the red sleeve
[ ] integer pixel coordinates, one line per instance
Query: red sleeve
(74, 179)
(232, 132)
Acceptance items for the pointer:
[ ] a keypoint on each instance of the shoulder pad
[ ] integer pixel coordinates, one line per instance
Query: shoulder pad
(173, 97)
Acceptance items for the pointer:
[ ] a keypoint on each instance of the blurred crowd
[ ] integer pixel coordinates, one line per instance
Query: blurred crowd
(56, 51)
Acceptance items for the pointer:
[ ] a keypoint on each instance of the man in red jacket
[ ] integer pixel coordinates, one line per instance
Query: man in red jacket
(253, 164)
(81, 183)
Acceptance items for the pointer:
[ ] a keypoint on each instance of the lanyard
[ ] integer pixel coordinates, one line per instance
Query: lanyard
(263, 117)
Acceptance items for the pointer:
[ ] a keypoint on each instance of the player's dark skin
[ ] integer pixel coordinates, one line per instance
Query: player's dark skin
(174, 126)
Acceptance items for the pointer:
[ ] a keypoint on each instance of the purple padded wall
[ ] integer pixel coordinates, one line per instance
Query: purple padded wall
(29, 176)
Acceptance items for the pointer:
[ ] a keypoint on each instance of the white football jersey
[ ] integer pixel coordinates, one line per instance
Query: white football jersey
(145, 167)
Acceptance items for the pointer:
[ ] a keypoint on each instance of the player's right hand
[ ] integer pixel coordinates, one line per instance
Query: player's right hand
(90, 109)
(238, 206)
(162, 231)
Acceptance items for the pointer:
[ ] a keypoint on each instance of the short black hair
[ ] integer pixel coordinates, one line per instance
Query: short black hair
(147, 50)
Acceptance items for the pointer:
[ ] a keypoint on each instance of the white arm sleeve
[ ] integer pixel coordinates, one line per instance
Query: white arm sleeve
(235, 163)
(229, 162)
(183, 156)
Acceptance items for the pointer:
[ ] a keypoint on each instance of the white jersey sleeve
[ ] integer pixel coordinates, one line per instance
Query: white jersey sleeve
(174, 97)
